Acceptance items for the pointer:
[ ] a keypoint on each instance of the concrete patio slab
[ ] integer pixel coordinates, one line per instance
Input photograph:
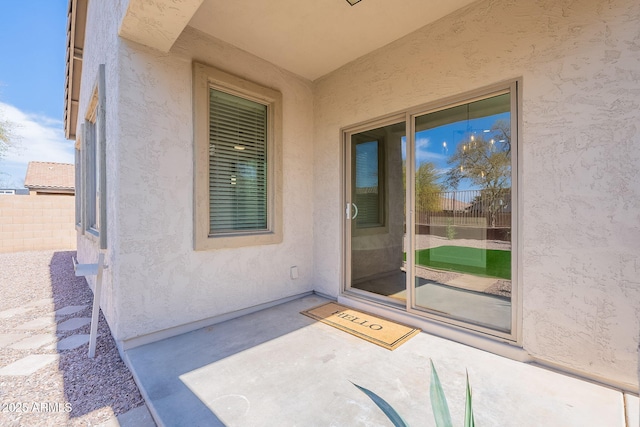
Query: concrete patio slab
(632, 404)
(137, 417)
(73, 324)
(73, 341)
(28, 365)
(280, 365)
(70, 309)
(34, 342)
(8, 339)
(38, 323)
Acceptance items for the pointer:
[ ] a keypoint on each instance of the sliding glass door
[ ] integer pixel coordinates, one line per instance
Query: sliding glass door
(375, 211)
(463, 206)
(447, 175)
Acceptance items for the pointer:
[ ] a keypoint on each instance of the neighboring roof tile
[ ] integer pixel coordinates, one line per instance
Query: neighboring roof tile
(449, 204)
(41, 175)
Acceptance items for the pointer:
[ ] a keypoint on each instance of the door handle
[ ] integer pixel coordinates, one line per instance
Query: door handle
(350, 207)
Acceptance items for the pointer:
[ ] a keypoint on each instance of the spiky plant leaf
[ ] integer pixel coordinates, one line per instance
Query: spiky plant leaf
(468, 407)
(388, 410)
(438, 400)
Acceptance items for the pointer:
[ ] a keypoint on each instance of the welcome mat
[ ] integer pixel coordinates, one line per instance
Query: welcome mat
(383, 332)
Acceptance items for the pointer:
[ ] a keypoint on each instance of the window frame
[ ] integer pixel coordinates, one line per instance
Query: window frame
(79, 181)
(94, 163)
(204, 78)
(91, 187)
(515, 88)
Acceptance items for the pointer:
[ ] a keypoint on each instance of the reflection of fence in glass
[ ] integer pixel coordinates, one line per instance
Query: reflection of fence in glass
(455, 210)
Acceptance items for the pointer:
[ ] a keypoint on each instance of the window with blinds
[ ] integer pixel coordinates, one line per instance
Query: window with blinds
(237, 164)
(368, 194)
(368, 183)
(237, 161)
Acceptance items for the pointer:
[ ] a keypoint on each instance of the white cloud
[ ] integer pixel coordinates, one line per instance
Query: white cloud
(423, 154)
(428, 156)
(38, 138)
(422, 143)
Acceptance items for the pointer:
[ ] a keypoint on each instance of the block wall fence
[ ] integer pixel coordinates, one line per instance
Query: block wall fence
(37, 222)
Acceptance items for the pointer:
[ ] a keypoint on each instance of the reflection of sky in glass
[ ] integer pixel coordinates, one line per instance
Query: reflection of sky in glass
(436, 145)
(367, 164)
(247, 171)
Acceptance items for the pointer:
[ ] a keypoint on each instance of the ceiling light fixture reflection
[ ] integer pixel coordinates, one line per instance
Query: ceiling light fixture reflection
(239, 147)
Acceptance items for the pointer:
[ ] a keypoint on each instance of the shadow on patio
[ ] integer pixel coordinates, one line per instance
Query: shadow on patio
(278, 367)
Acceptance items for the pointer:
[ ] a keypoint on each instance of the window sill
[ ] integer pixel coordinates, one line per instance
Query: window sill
(237, 241)
(93, 235)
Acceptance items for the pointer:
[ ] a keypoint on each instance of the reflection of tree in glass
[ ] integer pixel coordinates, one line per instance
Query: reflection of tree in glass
(485, 160)
(427, 188)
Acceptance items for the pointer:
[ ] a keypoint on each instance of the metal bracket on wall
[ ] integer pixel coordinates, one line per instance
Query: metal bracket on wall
(92, 270)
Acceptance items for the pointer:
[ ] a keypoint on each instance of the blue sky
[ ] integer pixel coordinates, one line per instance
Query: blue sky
(438, 144)
(33, 46)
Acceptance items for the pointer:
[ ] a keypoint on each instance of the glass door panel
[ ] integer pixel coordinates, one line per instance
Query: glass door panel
(462, 200)
(376, 212)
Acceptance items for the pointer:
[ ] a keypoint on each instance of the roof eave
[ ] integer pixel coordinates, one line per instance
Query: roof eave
(76, 23)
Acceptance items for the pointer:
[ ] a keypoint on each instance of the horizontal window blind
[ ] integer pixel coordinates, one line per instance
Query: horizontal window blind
(367, 195)
(237, 164)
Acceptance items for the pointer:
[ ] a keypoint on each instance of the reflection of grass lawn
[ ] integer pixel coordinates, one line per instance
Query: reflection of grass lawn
(498, 263)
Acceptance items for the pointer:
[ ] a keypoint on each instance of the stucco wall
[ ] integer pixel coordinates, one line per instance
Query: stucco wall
(580, 66)
(579, 62)
(164, 282)
(101, 47)
(155, 280)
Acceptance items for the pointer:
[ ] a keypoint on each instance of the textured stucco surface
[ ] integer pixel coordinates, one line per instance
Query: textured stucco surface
(155, 279)
(167, 283)
(580, 224)
(580, 195)
(101, 47)
(157, 23)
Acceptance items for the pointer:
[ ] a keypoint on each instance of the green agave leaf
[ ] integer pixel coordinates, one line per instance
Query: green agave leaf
(468, 407)
(438, 400)
(388, 410)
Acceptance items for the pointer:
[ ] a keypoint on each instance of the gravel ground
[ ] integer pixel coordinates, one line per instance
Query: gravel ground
(501, 287)
(438, 276)
(81, 391)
